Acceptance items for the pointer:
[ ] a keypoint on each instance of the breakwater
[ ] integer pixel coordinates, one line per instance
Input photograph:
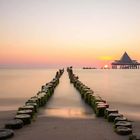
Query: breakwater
(121, 124)
(26, 113)
(66, 97)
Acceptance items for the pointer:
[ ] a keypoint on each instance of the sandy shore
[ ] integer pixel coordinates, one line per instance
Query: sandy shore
(66, 124)
(56, 128)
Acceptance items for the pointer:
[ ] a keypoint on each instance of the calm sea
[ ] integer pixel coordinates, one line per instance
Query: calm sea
(120, 88)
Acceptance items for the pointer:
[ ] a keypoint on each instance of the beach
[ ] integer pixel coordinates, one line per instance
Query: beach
(66, 116)
(71, 129)
(53, 128)
(70, 69)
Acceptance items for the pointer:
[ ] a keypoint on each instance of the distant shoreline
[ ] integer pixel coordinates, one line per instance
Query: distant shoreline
(89, 68)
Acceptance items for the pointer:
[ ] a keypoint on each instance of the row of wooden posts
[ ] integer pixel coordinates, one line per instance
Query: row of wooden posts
(101, 108)
(26, 113)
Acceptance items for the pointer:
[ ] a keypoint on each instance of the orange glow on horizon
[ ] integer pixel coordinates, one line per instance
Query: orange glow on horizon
(48, 32)
(105, 58)
(106, 66)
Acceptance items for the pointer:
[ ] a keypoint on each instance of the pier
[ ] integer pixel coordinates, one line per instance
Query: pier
(125, 63)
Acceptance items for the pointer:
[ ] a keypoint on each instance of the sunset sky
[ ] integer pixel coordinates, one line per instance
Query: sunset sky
(52, 33)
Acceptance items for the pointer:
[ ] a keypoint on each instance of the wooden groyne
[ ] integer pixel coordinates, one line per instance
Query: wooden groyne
(121, 125)
(26, 113)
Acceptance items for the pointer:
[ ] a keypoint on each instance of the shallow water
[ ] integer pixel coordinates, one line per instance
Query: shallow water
(66, 102)
(17, 85)
(119, 87)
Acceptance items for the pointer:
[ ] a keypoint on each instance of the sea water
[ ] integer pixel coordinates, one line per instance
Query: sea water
(18, 85)
(120, 88)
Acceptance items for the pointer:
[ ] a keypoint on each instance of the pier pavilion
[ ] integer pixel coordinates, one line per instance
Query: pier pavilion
(125, 63)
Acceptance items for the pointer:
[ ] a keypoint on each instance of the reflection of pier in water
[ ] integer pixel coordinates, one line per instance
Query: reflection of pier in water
(125, 63)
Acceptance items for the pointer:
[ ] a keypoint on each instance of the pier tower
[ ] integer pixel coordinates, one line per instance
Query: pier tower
(125, 63)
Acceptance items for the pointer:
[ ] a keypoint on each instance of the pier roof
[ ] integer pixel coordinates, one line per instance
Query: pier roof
(125, 60)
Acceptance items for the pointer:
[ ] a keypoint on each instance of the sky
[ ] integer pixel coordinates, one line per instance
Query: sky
(58, 33)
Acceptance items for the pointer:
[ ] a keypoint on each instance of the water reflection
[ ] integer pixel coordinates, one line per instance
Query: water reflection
(68, 113)
(66, 102)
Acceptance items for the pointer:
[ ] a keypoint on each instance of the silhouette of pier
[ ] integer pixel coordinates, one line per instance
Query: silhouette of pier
(125, 63)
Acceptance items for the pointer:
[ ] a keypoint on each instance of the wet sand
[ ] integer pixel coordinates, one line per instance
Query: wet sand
(55, 128)
(72, 126)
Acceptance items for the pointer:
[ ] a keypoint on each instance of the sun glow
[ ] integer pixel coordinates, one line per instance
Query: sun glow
(105, 58)
(106, 66)
(93, 33)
